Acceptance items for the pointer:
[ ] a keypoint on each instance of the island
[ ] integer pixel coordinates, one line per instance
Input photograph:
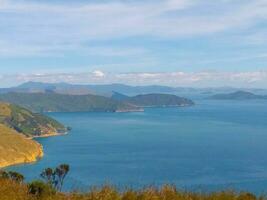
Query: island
(238, 95)
(17, 128)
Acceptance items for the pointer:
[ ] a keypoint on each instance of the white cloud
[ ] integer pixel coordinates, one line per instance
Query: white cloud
(186, 79)
(98, 74)
(39, 25)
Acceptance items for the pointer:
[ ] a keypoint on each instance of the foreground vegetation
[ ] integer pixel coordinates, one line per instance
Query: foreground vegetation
(13, 188)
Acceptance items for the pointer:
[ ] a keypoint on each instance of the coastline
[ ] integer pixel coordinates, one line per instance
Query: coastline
(26, 160)
(48, 135)
(30, 156)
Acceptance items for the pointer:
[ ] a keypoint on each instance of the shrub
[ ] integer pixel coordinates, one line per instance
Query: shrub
(40, 189)
(14, 176)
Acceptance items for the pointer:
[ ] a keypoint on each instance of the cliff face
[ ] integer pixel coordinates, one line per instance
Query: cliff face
(15, 148)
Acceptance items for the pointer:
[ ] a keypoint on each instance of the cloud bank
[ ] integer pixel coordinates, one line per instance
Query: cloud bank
(176, 79)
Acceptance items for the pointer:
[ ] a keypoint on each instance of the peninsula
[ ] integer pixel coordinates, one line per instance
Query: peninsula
(17, 128)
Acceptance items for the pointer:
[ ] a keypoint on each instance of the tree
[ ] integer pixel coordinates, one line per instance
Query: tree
(56, 177)
(47, 175)
(61, 173)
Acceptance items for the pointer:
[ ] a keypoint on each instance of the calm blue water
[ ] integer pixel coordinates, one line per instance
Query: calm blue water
(215, 144)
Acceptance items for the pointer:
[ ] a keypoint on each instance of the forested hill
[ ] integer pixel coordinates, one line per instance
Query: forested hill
(154, 100)
(52, 102)
(28, 123)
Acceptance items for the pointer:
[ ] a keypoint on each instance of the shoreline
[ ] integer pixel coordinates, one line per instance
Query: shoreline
(36, 156)
(48, 135)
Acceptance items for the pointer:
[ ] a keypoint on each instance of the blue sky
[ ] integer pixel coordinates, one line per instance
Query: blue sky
(170, 42)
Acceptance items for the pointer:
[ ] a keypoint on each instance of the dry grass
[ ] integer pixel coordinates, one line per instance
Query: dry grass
(10, 190)
(5, 109)
(15, 148)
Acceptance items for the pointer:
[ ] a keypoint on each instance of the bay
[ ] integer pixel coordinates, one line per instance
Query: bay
(212, 145)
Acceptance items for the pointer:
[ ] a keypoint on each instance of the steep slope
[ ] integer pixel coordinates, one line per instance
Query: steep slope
(48, 102)
(15, 148)
(28, 123)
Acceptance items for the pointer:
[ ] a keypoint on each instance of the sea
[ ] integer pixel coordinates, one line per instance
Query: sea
(214, 145)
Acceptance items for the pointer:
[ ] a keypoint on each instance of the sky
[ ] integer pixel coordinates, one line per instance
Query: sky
(188, 43)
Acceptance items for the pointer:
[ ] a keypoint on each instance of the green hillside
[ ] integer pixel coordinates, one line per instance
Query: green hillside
(28, 123)
(158, 100)
(51, 102)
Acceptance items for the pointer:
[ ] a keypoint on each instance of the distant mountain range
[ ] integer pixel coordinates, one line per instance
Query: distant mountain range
(107, 90)
(239, 95)
(65, 97)
(55, 102)
(104, 90)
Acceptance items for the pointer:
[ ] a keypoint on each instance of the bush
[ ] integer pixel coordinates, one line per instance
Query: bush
(14, 176)
(40, 189)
